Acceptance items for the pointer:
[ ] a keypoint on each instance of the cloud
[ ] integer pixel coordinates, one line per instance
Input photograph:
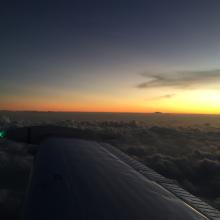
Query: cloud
(180, 79)
(166, 96)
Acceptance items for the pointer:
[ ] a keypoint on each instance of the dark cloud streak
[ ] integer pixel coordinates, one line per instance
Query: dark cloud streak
(166, 96)
(180, 79)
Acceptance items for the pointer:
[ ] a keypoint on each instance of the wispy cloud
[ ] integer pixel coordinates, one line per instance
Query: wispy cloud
(166, 96)
(180, 79)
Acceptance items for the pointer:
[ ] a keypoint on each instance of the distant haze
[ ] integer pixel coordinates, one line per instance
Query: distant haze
(150, 119)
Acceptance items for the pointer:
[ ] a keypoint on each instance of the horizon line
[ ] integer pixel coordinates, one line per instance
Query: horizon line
(114, 112)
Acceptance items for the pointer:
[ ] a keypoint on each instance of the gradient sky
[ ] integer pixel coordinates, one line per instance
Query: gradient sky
(127, 56)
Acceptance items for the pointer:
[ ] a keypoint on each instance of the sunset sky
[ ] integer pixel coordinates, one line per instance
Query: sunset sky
(116, 55)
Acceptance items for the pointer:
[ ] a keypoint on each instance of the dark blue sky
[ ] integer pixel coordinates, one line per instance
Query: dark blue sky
(89, 47)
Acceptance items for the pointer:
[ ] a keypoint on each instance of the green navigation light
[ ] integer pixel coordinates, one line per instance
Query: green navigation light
(2, 134)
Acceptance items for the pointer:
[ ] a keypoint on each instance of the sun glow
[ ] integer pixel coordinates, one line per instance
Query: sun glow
(198, 101)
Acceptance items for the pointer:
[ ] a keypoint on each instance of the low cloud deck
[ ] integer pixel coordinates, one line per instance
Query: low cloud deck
(76, 179)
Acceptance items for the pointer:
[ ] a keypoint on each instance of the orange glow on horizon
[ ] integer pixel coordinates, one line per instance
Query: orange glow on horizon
(196, 102)
(100, 108)
(71, 108)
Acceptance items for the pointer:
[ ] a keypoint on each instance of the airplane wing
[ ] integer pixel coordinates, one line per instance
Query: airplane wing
(77, 179)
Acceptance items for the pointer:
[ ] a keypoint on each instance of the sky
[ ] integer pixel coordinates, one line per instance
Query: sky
(110, 56)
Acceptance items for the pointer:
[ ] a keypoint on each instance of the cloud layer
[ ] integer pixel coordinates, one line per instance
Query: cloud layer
(180, 79)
